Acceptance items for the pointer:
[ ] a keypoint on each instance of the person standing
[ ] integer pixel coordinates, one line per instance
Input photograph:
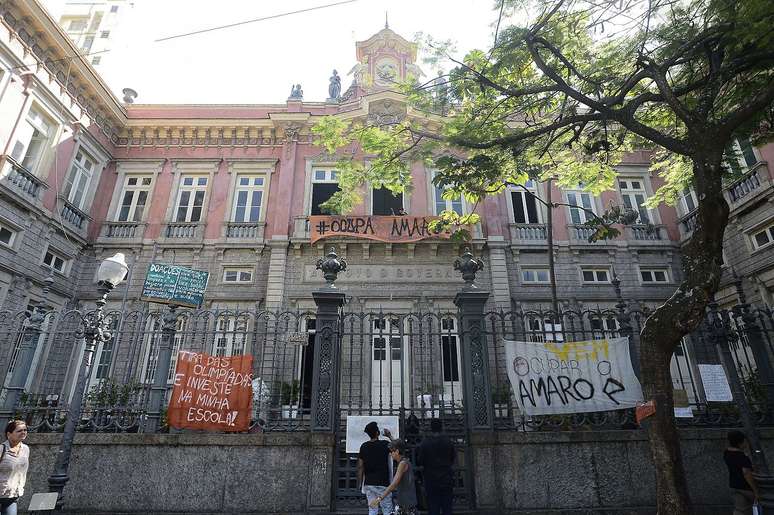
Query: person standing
(14, 461)
(373, 470)
(740, 478)
(403, 483)
(436, 454)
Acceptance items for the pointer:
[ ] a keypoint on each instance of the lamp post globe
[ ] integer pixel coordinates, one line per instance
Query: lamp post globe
(111, 272)
(113, 269)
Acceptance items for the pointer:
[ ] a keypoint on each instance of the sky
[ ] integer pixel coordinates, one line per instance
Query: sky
(258, 62)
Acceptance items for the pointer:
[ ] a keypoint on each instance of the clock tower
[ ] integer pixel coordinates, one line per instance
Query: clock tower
(384, 60)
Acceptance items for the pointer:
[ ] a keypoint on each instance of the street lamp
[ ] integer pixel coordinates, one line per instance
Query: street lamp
(111, 272)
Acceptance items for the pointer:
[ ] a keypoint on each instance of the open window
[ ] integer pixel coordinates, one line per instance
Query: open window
(325, 183)
(524, 204)
(33, 139)
(386, 203)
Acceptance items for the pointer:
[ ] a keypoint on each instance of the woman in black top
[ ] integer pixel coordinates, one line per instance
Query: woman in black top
(740, 478)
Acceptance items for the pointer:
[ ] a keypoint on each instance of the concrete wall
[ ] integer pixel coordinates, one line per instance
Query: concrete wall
(189, 473)
(585, 472)
(593, 472)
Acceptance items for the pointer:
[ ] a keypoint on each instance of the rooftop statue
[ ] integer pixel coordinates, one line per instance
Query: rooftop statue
(334, 88)
(296, 92)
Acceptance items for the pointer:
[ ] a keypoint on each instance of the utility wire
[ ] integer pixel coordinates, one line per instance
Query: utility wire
(202, 31)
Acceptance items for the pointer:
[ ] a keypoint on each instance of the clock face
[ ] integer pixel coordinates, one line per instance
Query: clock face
(386, 72)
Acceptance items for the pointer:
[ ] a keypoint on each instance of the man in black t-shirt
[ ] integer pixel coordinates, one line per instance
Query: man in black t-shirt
(373, 469)
(740, 478)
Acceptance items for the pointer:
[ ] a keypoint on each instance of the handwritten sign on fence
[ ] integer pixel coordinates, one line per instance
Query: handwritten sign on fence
(212, 393)
(172, 284)
(381, 228)
(572, 377)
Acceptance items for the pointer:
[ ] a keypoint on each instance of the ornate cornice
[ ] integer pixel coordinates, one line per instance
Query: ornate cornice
(53, 51)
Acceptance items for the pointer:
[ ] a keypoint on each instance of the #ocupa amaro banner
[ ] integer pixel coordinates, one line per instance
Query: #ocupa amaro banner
(572, 377)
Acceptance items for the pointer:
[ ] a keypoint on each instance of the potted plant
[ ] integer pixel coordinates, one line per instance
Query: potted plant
(501, 398)
(289, 396)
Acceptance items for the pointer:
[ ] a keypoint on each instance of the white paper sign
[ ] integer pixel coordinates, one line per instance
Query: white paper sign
(716, 387)
(356, 435)
(572, 377)
(43, 501)
(683, 413)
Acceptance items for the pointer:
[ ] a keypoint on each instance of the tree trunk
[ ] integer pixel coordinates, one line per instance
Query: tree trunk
(679, 315)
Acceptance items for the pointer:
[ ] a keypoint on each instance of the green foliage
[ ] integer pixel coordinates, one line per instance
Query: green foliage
(568, 91)
(289, 391)
(109, 392)
(501, 393)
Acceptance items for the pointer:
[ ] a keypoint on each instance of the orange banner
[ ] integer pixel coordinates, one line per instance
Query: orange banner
(390, 229)
(212, 393)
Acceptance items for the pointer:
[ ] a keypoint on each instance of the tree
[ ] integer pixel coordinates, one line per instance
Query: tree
(566, 92)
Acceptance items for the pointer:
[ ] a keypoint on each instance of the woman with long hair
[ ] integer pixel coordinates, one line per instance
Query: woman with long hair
(14, 461)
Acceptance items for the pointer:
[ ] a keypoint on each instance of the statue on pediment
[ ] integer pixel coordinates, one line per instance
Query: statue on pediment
(334, 88)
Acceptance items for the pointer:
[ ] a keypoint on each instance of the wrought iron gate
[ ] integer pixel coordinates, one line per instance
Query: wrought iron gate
(409, 366)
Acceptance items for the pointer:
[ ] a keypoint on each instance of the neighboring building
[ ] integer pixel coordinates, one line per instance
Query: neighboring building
(229, 189)
(92, 26)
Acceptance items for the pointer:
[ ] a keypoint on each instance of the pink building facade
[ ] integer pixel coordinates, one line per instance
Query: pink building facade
(229, 189)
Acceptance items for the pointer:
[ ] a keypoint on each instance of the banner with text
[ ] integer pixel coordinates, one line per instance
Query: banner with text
(391, 229)
(212, 393)
(572, 377)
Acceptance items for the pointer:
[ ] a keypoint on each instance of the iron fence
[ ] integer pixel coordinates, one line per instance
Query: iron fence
(405, 364)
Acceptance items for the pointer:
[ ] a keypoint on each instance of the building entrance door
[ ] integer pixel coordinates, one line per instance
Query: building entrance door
(387, 358)
(450, 362)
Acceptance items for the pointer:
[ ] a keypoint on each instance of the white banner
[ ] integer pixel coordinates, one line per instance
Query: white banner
(572, 377)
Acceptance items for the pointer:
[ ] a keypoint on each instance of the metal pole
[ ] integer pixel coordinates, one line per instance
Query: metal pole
(94, 332)
(27, 347)
(158, 392)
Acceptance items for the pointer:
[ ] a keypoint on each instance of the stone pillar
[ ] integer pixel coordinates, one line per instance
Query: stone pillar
(158, 392)
(475, 354)
(275, 283)
(624, 319)
(325, 380)
(475, 359)
(498, 269)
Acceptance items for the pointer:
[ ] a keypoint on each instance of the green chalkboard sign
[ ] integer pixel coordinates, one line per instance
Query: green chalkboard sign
(172, 284)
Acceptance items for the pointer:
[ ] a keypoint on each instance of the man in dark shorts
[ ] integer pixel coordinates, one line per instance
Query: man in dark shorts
(740, 478)
(373, 469)
(436, 454)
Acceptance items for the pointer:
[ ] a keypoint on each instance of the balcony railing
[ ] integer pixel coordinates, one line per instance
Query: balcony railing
(245, 230)
(73, 215)
(301, 228)
(647, 232)
(182, 230)
(528, 232)
(581, 233)
(688, 223)
(23, 181)
(123, 230)
(747, 185)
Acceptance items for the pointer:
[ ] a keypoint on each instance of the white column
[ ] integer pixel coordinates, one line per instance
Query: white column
(275, 284)
(501, 290)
